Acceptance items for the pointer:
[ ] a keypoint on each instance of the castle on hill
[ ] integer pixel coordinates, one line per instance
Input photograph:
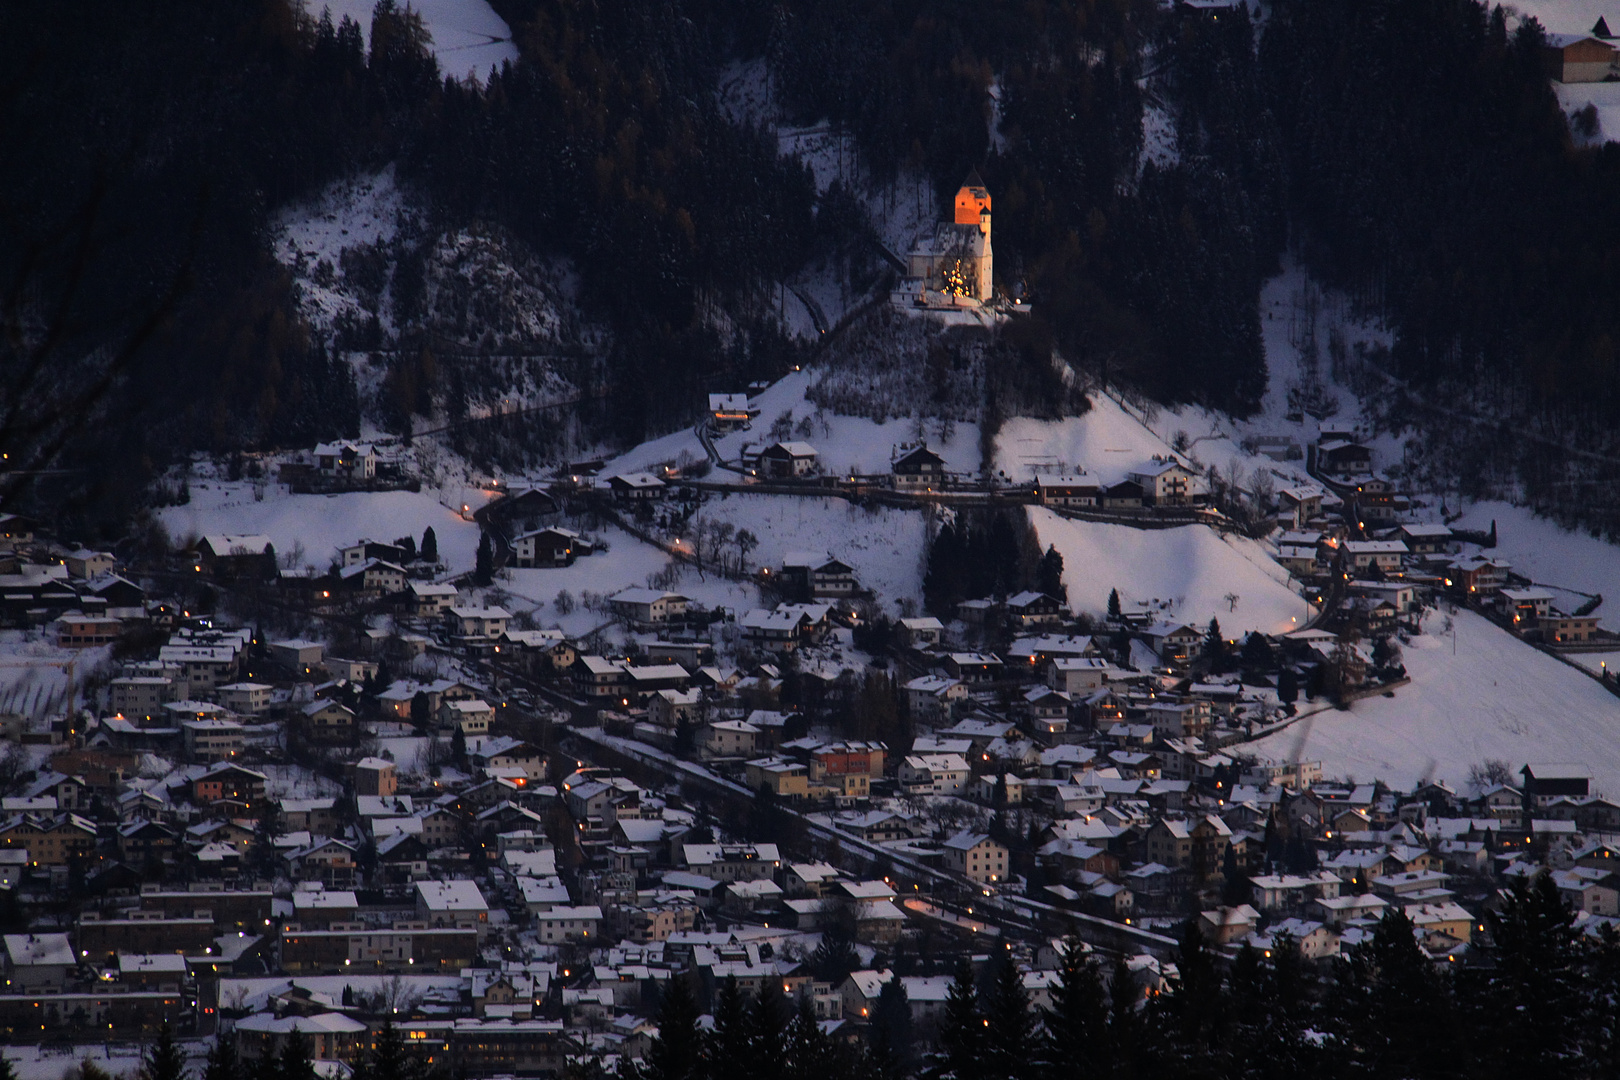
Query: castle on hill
(954, 266)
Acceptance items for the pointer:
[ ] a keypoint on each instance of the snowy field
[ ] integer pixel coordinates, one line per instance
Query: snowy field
(365, 209)
(322, 522)
(1106, 442)
(847, 444)
(1605, 96)
(885, 545)
(118, 1059)
(468, 37)
(627, 562)
(1193, 567)
(1495, 698)
(1112, 438)
(1552, 556)
(37, 679)
(1215, 439)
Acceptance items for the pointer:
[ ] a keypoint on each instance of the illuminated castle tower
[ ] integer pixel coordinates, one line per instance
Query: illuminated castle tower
(958, 259)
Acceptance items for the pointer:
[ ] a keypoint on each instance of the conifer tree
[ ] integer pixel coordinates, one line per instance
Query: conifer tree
(1536, 1003)
(835, 956)
(768, 1023)
(810, 1052)
(961, 1035)
(484, 567)
(1392, 1008)
(1010, 1031)
(1115, 612)
(1126, 1027)
(430, 545)
(1049, 576)
(677, 1052)
(1076, 1033)
(1256, 652)
(730, 1043)
(389, 1058)
(222, 1062)
(295, 1062)
(164, 1060)
(891, 1028)
(945, 580)
(1196, 1001)
(1287, 685)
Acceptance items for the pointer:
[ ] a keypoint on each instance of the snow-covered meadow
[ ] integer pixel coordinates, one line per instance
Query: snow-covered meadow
(1573, 563)
(1107, 441)
(322, 523)
(1493, 697)
(1193, 568)
(886, 546)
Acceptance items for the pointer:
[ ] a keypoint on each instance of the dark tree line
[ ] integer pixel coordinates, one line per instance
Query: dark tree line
(148, 147)
(985, 555)
(1538, 999)
(145, 147)
(1433, 176)
(1152, 279)
(760, 1036)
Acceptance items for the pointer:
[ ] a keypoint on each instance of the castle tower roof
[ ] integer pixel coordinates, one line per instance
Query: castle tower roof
(972, 199)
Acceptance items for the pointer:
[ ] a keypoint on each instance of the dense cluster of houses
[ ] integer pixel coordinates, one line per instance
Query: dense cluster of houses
(513, 839)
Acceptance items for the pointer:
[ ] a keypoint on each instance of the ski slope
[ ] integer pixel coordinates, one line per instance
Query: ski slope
(1194, 568)
(1495, 697)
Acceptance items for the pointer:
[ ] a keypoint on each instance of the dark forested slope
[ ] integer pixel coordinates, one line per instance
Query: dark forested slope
(1411, 150)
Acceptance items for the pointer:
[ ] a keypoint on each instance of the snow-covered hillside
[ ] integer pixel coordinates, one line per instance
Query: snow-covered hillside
(321, 523)
(847, 444)
(1603, 97)
(884, 545)
(1495, 697)
(477, 286)
(469, 38)
(1574, 563)
(627, 562)
(368, 210)
(1106, 442)
(371, 278)
(1193, 568)
(1112, 436)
